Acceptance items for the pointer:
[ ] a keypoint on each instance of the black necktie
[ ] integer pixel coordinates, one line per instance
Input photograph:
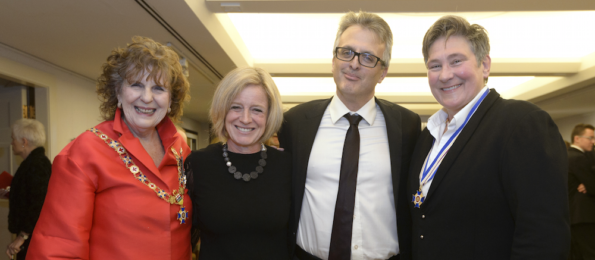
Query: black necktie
(340, 248)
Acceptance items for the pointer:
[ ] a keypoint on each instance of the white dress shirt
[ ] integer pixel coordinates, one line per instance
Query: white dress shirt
(436, 124)
(374, 222)
(578, 148)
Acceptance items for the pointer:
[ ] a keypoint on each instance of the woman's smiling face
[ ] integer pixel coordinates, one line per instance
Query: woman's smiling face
(246, 119)
(144, 103)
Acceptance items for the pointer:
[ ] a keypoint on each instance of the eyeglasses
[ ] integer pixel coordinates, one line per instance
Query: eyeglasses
(591, 138)
(365, 59)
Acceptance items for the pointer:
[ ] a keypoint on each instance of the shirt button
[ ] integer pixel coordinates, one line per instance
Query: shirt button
(423, 216)
(355, 247)
(422, 236)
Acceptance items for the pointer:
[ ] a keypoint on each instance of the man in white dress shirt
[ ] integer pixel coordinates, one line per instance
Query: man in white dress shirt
(315, 133)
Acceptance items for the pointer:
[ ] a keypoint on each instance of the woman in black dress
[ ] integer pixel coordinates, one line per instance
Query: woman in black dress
(241, 189)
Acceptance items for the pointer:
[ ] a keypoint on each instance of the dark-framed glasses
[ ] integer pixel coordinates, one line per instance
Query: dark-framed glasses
(365, 59)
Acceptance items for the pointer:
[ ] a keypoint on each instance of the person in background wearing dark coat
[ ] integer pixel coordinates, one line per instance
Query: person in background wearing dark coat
(488, 175)
(29, 185)
(581, 188)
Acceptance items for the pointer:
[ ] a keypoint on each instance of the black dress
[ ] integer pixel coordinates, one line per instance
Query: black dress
(27, 194)
(238, 219)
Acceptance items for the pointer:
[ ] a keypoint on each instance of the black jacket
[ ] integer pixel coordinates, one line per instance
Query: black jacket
(27, 191)
(499, 193)
(582, 206)
(403, 128)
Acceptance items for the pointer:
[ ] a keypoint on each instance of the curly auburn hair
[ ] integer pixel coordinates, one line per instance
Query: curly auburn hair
(130, 63)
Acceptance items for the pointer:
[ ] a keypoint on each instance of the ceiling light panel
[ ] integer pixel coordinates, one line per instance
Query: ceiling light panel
(291, 37)
(292, 86)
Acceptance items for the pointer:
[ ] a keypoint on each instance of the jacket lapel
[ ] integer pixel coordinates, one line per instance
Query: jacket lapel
(303, 147)
(461, 141)
(417, 162)
(394, 131)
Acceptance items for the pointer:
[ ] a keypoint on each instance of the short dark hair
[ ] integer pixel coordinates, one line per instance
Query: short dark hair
(579, 130)
(452, 25)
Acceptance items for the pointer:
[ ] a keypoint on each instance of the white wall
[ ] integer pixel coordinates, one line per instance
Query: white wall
(73, 104)
(201, 128)
(565, 125)
(12, 100)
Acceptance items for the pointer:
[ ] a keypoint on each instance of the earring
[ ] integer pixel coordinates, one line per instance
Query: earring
(119, 105)
(169, 110)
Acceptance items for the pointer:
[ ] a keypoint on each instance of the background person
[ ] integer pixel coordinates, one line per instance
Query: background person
(581, 187)
(117, 190)
(488, 175)
(349, 176)
(241, 189)
(29, 185)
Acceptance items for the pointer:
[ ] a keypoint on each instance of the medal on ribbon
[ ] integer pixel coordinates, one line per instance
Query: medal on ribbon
(418, 198)
(182, 215)
(428, 172)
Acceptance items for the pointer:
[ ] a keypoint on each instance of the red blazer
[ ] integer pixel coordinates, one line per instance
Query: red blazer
(96, 209)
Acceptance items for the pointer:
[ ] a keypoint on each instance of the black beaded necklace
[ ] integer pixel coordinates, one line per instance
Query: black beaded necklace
(246, 177)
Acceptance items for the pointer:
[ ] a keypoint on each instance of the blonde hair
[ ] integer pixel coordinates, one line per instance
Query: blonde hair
(30, 129)
(373, 23)
(131, 63)
(231, 86)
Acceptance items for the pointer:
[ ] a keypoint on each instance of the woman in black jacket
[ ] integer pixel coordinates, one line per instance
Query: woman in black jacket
(29, 185)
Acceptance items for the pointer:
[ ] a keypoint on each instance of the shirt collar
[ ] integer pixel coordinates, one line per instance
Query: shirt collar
(338, 110)
(578, 148)
(439, 118)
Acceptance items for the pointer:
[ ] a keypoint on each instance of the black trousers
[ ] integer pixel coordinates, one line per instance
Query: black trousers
(300, 254)
(583, 238)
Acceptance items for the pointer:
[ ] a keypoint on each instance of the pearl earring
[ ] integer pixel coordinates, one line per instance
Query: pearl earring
(169, 110)
(119, 105)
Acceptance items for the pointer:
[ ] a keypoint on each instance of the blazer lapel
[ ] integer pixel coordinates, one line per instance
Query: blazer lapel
(417, 162)
(462, 140)
(394, 131)
(303, 147)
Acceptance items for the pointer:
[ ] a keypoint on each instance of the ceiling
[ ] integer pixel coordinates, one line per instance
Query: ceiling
(543, 41)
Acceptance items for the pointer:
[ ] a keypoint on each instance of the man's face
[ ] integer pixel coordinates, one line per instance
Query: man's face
(453, 73)
(354, 80)
(585, 141)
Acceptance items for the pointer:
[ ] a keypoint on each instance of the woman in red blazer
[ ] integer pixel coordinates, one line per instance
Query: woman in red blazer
(118, 191)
